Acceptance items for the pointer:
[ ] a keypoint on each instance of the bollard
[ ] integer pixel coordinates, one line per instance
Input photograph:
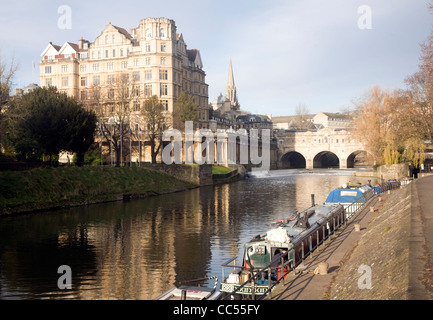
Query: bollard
(371, 209)
(323, 268)
(357, 227)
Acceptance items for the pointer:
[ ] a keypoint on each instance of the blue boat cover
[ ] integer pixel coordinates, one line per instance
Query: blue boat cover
(344, 195)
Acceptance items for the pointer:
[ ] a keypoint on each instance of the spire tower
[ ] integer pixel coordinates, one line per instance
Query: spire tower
(231, 88)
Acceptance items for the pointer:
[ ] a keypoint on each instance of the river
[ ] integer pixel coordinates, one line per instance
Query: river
(141, 248)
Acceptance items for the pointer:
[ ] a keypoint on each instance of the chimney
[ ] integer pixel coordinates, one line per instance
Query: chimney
(80, 43)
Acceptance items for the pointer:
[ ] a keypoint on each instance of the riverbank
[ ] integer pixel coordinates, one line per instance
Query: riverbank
(389, 258)
(392, 249)
(51, 188)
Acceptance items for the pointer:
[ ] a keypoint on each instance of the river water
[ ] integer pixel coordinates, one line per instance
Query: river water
(141, 248)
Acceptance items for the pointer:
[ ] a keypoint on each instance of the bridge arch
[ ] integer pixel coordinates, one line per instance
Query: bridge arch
(359, 158)
(326, 159)
(293, 160)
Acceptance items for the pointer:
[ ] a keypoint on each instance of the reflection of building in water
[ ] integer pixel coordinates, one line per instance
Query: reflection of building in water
(147, 250)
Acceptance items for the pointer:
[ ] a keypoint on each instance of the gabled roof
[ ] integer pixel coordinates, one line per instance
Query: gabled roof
(51, 46)
(71, 45)
(124, 32)
(194, 56)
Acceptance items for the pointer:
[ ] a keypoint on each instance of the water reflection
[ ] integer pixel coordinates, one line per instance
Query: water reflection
(139, 249)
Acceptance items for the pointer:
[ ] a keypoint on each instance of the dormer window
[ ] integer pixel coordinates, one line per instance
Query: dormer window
(148, 34)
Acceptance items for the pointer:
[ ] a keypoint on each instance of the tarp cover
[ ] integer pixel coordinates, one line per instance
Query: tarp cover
(344, 195)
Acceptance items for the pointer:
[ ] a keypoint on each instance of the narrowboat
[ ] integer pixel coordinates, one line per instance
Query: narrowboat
(268, 257)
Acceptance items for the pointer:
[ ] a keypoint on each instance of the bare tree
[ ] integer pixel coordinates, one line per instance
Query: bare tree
(7, 74)
(301, 116)
(154, 117)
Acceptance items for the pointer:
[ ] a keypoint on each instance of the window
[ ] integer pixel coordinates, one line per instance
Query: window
(110, 93)
(124, 64)
(99, 54)
(163, 75)
(163, 47)
(148, 34)
(136, 106)
(148, 61)
(106, 39)
(64, 68)
(163, 89)
(110, 79)
(136, 91)
(125, 77)
(96, 67)
(83, 68)
(147, 47)
(83, 81)
(113, 37)
(96, 80)
(163, 60)
(162, 33)
(165, 104)
(106, 53)
(83, 95)
(110, 66)
(48, 82)
(114, 53)
(148, 75)
(148, 90)
(136, 62)
(48, 69)
(121, 52)
(65, 81)
(136, 75)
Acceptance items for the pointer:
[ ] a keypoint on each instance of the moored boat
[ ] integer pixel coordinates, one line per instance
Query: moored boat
(267, 258)
(189, 292)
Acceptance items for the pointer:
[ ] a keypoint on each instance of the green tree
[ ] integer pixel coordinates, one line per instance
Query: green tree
(46, 122)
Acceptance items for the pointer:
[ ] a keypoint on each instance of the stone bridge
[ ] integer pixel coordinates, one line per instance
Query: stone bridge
(321, 148)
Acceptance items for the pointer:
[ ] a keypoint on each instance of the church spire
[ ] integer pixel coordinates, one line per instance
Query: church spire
(231, 88)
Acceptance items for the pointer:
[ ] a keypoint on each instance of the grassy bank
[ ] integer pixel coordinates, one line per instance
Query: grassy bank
(47, 188)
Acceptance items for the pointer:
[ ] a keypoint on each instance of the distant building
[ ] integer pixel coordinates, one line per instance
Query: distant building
(333, 120)
(26, 89)
(313, 121)
(253, 121)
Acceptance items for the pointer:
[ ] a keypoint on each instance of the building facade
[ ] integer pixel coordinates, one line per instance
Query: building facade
(151, 59)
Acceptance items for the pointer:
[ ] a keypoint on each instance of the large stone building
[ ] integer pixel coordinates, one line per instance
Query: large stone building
(151, 59)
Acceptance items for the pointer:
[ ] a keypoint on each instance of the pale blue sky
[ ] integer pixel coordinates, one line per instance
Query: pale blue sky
(284, 52)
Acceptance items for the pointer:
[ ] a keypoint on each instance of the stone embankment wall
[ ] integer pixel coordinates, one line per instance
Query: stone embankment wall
(394, 171)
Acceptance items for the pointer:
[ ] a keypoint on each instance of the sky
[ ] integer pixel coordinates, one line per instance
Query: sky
(323, 54)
